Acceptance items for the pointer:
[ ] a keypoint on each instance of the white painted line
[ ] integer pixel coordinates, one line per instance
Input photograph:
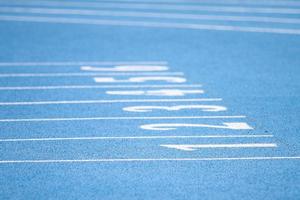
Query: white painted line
(112, 13)
(92, 74)
(98, 86)
(101, 160)
(194, 26)
(153, 6)
(174, 126)
(193, 147)
(140, 79)
(150, 108)
(132, 138)
(160, 92)
(215, 2)
(120, 118)
(106, 101)
(80, 63)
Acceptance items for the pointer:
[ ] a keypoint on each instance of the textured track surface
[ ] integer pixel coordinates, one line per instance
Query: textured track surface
(149, 99)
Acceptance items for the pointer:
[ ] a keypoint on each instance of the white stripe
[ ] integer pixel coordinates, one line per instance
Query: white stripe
(97, 86)
(150, 15)
(234, 2)
(92, 74)
(151, 159)
(153, 6)
(106, 101)
(132, 138)
(148, 24)
(119, 118)
(193, 147)
(80, 63)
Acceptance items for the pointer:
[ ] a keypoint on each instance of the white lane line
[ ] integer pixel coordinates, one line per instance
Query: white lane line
(132, 138)
(101, 160)
(153, 6)
(98, 86)
(91, 74)
(150, 15)
(193, 147)
(80, 63)
(173, 126)
(194, 26)
(107, 101)
(120, 118)
(218, 2)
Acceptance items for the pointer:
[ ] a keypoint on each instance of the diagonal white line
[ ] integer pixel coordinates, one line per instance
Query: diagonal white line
(152, 6)
(97, 86)
(106, 101)
(80, 63)
(150, 15)
(132, 138)
(193, 147)
(120, 118)
(153, 159)
(91, 74)
(195, 26)
(214, 2)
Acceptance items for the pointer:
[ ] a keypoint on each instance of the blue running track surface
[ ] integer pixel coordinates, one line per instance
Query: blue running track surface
(150, 99)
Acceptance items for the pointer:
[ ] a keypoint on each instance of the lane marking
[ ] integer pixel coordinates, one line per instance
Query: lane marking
(141, 79)
(193, 147)
(194, 26)
(173, 126)
(98, 86)
(132, 138)
(153, 6)
(160, 92)
(234, 2)
(205, 108)
(126, 68)
(152, 159)
(106, 101)
(120, 118)
(150, 15)
(80, 63)
(91, 74)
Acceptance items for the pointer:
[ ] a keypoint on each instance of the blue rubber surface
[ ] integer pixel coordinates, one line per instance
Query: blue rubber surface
(66, 136)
